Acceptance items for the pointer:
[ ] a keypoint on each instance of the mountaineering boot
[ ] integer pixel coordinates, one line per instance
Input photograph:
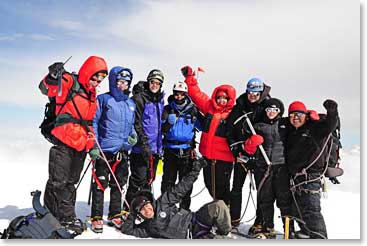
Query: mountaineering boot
(301, 235)
(255, 229)
(73, 224)
(269, 232)
(117, 219)
(97, 225)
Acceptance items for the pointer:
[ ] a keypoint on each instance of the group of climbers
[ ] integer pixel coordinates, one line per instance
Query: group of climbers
(248, 134)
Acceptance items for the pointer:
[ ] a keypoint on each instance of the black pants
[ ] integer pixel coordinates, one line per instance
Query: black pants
(308, 201)
(275, 188)
(64, 168)
(103, 173)
(179, 163)
(223, 171)
(215, 213)
(140, 174)
(239, 178)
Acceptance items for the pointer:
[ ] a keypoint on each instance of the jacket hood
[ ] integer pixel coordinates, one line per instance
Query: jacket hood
(230, 91)
(112, 77)
(91, 66)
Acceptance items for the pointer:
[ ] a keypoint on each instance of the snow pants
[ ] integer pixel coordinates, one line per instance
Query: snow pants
(275, 188)
(223, 171)
(176, 162)
(140, 174)
(64, 168)
(215, 213)
(307, 198)
(239, 178)
(105, 179)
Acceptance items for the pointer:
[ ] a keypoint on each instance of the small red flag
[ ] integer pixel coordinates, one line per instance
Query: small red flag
(201, 69)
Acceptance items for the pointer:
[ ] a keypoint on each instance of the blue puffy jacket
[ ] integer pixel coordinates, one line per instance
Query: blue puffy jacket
(180, 135)
(114, 119)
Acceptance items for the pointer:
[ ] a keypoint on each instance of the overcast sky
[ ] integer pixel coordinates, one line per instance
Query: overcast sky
(305, 50)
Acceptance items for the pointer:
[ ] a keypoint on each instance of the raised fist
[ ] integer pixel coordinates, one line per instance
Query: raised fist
(187, 71)
(330, 105)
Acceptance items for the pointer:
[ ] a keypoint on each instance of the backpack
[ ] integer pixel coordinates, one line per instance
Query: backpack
(50, 114)
(40, 224)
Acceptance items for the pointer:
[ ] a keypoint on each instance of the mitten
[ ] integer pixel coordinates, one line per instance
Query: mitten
(172, 119)
(55, 69)
(252, 142)
(330, 105)
(94, 154)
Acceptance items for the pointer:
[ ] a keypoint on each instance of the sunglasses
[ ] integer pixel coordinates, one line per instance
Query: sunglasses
(179, 93)
(222, 97)
(298, 114)
(122, 82)
(98, 77)
(274, 110)
(254, 93)
(157, 83)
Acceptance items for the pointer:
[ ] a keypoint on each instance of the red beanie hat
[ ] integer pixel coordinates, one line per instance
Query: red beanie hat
(297, 106)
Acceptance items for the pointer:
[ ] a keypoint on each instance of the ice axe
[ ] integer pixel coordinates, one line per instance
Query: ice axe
(59, 78)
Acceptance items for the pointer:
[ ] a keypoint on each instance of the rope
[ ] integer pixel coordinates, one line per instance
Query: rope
(91, 135)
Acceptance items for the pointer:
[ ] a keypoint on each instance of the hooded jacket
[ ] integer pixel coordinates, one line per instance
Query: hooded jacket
(114, 119)
(213, 143)
(68, 128)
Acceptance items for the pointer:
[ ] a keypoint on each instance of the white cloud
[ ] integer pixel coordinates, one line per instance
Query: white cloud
(41, 37)
(11, 37)
(67, 25)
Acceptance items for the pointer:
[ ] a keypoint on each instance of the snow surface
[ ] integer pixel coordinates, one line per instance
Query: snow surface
(26, 171)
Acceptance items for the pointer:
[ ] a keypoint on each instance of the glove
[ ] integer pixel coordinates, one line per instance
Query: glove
(330, 105)
(334, 180)
(94, 154)
(187, 71)
(252, 142)
(54, 69)
(147, 153)
(132, 139)
(172, 119)
(198, 164)
(251, 164)
(313, 115)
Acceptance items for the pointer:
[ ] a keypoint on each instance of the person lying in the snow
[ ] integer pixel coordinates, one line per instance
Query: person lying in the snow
(162, 219)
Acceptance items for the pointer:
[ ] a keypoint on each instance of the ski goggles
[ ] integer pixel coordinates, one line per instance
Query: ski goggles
(122, 82)
(124, 75)
(298, 114)
(254, 93)
(99, 77)
(272, 110)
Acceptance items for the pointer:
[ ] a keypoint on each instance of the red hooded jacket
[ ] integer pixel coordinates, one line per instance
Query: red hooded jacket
(213, 143)
(70, 133)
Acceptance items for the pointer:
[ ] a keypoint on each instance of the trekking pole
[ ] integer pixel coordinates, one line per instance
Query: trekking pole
(90, 190)
(59, 78)
(83, 175)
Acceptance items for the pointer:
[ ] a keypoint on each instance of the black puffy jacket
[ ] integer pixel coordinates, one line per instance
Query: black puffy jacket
(169, 221)
(305, 144)
(234, 132)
